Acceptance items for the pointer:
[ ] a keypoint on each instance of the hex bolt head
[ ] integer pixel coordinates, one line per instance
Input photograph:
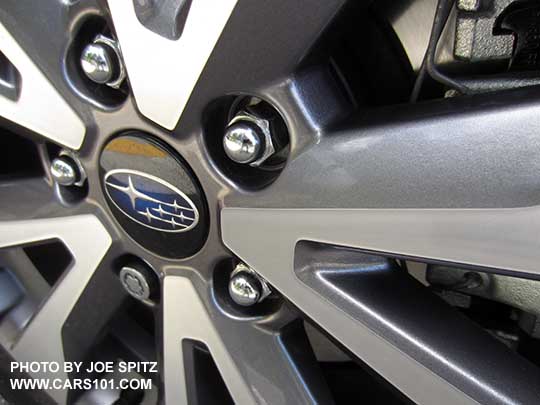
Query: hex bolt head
(246, 287)
(137, 281)
(98, 63)
(243, 142)
(65, 171)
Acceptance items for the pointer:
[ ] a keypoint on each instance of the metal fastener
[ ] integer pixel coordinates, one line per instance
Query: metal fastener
(65, 171)
(101, 61)
(137, 281)
(248, 139)
(246, 287)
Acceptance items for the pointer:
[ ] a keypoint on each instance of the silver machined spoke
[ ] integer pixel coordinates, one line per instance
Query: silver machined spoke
(490, 238)
(255, 364)
(42, 340)
(39, 105)
(498, 239)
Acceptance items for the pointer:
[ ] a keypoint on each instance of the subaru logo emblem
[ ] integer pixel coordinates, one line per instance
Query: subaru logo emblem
(151, 201)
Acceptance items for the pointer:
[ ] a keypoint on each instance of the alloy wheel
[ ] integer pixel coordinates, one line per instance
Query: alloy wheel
(124, 218)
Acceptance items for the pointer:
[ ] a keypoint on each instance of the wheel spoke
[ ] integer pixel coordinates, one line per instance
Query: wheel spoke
(252, 375)
(503, 239)
(379, 328)
(453, 188)
(27, 273)
(28, 199)
(463, 153)
(453, 185)
(39, 105)
(42, 340)
(164, 74)
(162, 69)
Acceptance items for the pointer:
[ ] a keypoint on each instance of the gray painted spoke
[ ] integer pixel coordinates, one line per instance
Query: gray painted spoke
(42, 340)
(255, 364)
(27, 199)
(263, 357)
(375, 292)
(445, 154)
(28, 275)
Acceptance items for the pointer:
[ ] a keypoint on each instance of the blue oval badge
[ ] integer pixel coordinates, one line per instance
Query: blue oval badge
(151, 201)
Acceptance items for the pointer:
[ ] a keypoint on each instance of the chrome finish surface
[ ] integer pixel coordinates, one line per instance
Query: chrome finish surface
(246, 287)
(74, 161)
(117, 63)
(181, 214)
(102, 62)
(97, 63)
(64, 171)
(242, 142)
(245, 144)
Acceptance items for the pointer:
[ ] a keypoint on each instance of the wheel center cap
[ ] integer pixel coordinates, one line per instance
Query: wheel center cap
(154, 195)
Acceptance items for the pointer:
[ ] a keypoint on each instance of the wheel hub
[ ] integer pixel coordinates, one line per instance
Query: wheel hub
(154, 195)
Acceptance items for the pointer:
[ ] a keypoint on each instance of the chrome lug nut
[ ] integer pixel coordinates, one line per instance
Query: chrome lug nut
(65, 171)
(242, 142)
(246, 287)
(101, 62)
(248, 140)
(97, 63)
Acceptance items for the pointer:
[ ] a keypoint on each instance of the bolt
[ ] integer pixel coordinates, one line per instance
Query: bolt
(101, 62)
(246, 287)
(65, 171)
(248, 140)
(137, 280)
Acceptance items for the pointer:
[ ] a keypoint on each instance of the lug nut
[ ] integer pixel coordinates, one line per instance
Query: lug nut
(97, 63)
(248, 140)
(65, 171)
(246, 287)
(138, 281)
(242, 142)
(101, 62)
